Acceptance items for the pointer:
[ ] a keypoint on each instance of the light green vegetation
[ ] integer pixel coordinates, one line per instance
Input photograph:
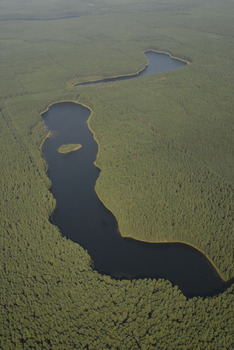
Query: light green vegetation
(166, 159)
(69, 147)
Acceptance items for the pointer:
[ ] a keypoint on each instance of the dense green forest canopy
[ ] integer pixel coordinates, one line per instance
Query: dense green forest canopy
(166, 159)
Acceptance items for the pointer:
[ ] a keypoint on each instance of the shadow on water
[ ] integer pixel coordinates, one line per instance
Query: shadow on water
(82, 217)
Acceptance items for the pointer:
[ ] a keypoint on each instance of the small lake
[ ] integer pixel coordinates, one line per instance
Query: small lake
(156, 63)
(81, 216)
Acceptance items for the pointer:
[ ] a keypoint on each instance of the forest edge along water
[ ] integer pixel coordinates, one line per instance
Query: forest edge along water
(165, 62)
(84, 219)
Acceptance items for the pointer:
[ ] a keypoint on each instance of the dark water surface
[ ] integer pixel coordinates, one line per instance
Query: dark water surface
(84, 219)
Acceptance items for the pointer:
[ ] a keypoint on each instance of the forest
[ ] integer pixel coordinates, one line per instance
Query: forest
(166, 151)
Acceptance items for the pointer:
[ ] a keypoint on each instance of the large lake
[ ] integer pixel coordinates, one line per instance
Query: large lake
(81, 216)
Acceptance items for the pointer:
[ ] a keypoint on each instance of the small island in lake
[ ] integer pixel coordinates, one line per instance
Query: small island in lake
(69, 147)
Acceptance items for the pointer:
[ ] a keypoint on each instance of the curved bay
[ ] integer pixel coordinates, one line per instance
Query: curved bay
(157, 62)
